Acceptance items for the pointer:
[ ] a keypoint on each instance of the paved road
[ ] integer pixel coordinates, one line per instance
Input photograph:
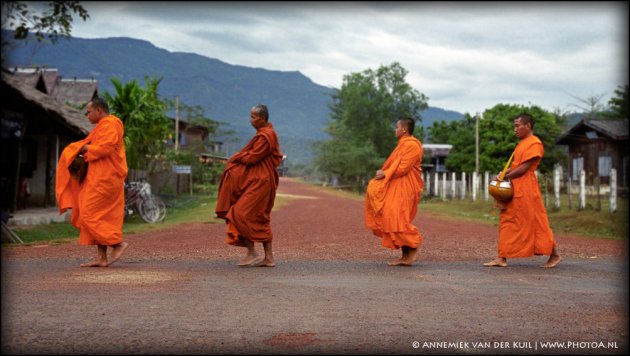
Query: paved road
(198, 302)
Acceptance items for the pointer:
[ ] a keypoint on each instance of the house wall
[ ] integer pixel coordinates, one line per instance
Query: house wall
(591, 150)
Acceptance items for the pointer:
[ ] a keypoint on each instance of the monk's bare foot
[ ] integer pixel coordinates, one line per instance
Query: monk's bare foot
(552, 262)
(499, 262)
(95, 263)
(266, 262)
(118, 251)
(250, 260)
(410, 258)
(396, 262)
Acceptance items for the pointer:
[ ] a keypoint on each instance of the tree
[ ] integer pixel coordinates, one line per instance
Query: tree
(591, 106)
(618, 105)
(53, 22)
(145, 119)
(363, 114)
(496, 138)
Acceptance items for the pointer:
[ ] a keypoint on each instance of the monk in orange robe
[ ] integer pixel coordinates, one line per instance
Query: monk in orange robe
(98, 201)
(392, 196)
(247, 191)
(523, 224)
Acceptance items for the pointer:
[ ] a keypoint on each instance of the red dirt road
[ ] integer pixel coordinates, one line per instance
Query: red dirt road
(317, 225)
(179, 291)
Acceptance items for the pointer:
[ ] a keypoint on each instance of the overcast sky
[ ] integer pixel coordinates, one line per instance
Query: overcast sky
(465, 57)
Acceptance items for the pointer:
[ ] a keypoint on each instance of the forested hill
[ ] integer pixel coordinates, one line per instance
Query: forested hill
(298, 107)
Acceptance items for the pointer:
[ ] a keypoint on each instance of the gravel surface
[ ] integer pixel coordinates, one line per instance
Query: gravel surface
(179, 291)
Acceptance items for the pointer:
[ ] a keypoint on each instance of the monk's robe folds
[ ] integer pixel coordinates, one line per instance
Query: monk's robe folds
(98, 203)
(523, 225)
(247, 190)
(391, 203)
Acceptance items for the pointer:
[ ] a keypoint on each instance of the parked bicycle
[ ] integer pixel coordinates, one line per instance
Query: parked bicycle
(138, 198)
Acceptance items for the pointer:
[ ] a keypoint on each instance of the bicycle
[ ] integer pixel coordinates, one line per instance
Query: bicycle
(138, 197)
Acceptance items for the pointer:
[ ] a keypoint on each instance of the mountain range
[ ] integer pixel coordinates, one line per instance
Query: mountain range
(298, 107)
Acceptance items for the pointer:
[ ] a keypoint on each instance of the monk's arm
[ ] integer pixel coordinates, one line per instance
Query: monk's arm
(257, 153)
(103, 144)
(408, 157)
(520, 170)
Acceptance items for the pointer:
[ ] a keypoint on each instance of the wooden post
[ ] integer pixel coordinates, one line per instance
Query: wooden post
(437, 182)
(475, 186)
(428, 184)
(557, 171)
(453, 187)
(613, 190)
(486, 182)
(443, 185)
(569, 191)
(463, 186)
(582, 193)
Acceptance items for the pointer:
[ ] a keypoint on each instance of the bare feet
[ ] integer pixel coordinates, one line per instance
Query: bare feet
(266, 262)
(118, 250)
(97, 262)
(396, 262)
(409, 258)
(499, 262)
(250, 260)
(552, 262)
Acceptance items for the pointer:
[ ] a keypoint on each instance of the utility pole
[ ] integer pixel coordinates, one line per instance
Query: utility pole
(176, 123)
(477, 117)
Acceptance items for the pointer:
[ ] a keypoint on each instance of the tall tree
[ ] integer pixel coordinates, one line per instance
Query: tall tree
(618, 104)
(146, 124)
(48, 21)
(362, 118)
(497, 139)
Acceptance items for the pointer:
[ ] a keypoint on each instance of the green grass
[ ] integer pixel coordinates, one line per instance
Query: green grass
(182, 209)
(589, 222)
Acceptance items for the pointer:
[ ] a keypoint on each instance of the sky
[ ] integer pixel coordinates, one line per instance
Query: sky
(465, 56)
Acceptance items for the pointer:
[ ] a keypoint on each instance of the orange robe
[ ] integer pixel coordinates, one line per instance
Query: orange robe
(523, 225)
(247, 190)
(391, 203)
(98, 203)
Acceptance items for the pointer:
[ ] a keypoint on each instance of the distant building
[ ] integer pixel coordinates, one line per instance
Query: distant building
(436, 153)
(596, 146)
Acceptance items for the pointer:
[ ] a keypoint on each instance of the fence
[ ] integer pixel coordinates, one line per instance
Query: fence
(462, 185)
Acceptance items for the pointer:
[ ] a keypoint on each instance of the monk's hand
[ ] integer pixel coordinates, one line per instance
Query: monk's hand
(84, 148)
(379, 174)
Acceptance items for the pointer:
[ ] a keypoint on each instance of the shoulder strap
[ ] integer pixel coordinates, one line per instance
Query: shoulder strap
(506, 167)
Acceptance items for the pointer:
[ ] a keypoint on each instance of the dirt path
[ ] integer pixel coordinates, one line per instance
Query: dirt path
(179, 291)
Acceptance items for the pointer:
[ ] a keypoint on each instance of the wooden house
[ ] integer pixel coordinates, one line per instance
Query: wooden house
(35, 129)
(596, 146)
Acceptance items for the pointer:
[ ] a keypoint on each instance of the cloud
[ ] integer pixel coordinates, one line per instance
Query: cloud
(466, 56)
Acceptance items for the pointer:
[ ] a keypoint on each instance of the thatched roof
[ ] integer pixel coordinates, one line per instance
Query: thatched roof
(76, 92)
(66, 115)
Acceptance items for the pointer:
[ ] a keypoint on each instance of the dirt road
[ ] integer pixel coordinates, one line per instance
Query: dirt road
(179, 291)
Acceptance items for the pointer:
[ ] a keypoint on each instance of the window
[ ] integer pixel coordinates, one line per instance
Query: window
(605, 164)
(577, 166)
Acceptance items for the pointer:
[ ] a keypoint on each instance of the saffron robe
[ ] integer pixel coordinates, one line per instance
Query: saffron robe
(247, 190)
(391, 203)
(523, 225)
(98, 203)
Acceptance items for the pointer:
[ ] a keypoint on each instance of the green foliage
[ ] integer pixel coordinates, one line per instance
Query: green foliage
(205, 176)
(496, 138)
(47, 25)
(363, 113)
(146, 123)
(51, 23)
(618, 105)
